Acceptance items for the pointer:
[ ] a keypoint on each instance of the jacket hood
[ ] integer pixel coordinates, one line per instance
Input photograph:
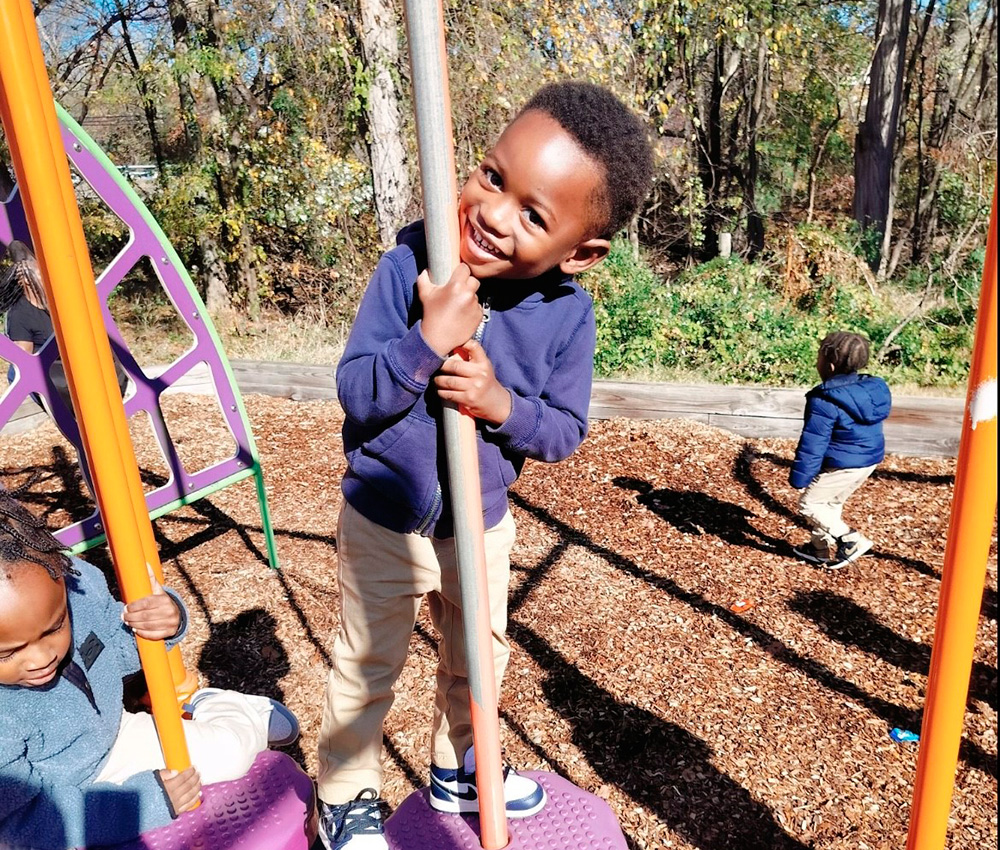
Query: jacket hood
(865, 398)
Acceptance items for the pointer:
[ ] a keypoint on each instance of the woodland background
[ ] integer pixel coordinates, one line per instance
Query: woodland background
(845, 149)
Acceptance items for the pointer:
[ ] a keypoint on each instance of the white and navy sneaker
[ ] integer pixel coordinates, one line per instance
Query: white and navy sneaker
(850, 547)
(356, 825)
(454, 790)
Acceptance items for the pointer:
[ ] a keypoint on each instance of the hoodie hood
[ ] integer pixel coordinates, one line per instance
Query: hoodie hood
(865, 398)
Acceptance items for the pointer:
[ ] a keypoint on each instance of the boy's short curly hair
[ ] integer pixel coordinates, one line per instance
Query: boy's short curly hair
(844, 351)
(612, 136)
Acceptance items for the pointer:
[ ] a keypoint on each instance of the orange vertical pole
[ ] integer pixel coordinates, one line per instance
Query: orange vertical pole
(185, 683)
(972, 517)
(32, 132)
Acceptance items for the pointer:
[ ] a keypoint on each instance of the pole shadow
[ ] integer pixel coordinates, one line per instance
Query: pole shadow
(691, 512)
(890, 713)
(846, 622)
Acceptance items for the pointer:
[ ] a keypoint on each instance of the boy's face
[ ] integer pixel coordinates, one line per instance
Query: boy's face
(530, 206)
(35, 633)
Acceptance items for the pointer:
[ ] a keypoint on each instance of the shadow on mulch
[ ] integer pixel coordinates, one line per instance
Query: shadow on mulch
(849, 624)
(893, 715)
(743, 472)
(692, 512)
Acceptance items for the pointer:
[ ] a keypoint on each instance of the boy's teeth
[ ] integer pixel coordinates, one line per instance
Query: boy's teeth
(482, 243)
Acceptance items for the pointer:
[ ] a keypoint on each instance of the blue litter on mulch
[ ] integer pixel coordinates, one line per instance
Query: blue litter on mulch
(903, 736)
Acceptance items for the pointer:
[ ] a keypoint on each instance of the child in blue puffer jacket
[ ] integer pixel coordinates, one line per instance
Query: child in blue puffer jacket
(840, 446)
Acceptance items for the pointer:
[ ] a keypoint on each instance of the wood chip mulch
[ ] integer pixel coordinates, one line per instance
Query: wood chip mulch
(669, 653)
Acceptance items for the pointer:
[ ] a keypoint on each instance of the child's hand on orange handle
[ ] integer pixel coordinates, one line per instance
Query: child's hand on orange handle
(183, 789)
(154, 617)
(451, 312)
(467, 379)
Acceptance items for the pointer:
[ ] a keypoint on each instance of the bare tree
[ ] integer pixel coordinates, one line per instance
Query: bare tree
(876, 137)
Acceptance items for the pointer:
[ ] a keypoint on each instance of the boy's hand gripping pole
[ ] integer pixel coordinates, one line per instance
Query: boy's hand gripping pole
(428, 63)
(37, 153)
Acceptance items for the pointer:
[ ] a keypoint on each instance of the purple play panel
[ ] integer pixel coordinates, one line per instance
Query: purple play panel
(271, 808)
(32, 368)
(573, 819)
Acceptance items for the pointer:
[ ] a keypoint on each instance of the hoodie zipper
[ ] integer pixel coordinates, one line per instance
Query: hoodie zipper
(425, 520)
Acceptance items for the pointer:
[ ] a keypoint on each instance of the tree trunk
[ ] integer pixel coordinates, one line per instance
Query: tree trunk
(390, 179)
(148, 106)
(213, 271)
(874, 144)
(755, 221)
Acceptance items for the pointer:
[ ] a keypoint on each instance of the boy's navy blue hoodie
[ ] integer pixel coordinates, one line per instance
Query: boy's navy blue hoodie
(843, 426)
(539, 335)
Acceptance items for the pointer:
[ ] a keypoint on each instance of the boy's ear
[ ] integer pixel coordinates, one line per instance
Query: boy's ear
(586, 255)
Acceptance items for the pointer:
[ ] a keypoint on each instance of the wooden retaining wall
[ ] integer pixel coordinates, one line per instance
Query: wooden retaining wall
(919, 425)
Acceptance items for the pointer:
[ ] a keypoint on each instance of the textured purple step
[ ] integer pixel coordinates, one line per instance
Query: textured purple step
(271, 808)
(573, 819)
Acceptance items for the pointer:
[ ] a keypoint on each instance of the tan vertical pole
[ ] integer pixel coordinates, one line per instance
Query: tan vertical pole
(32, 133)
(435, 142)
(972, 518)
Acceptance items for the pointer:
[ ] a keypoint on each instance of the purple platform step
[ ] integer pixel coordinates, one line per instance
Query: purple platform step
(573, 819)
(271, 808)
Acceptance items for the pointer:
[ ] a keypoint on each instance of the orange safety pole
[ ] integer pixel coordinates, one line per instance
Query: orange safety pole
(435, 148)
(32, 132)
(185, 683)
(972, 517)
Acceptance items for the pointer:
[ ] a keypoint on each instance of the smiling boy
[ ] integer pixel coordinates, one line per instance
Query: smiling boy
(565, 176)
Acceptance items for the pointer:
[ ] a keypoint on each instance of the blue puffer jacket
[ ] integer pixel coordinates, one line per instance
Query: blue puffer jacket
(843, 426)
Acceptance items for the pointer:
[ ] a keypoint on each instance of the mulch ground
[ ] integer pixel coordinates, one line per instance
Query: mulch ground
(669, 653)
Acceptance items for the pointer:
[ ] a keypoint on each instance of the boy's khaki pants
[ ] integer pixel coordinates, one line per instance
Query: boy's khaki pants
(822, 504)
(383, 575)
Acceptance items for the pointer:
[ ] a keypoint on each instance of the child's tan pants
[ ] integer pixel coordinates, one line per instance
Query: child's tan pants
(822, 503)
(383, 576)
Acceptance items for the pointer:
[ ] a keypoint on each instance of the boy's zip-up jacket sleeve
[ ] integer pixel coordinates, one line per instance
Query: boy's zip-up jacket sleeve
(387, 365)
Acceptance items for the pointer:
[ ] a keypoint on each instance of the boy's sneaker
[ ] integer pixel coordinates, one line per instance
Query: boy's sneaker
(850, 547)
(282, 726)
(356, 825)
(454, 790)
(813, 553)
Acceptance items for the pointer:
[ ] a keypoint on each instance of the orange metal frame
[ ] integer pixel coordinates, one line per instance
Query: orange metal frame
(32, 133)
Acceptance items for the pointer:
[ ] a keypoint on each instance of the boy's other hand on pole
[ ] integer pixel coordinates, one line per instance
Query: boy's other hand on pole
(467, 379)
(451, 312)
(154, 617)
(182, 789)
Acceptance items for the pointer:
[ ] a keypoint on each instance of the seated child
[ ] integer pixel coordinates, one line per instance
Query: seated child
(840, 446)
(75, 768)
(565, 176)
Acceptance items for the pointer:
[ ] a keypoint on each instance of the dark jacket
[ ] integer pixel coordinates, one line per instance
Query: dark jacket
(539, 336)
(843, 426)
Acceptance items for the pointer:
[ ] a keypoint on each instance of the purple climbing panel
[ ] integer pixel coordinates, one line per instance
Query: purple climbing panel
(146, 240)
(573, 819)
(271, 808)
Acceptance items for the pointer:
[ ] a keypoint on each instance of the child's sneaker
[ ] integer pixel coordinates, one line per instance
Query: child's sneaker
(282, 726)
(356, 825)
(454, 790)
(813, 553)
(850, 547)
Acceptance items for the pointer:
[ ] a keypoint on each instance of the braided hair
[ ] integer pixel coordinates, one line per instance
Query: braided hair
(24, 537)
(845, 352)
(22, 278)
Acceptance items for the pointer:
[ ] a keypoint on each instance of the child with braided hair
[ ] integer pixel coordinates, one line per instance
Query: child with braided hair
(840, 446)
(65, 646)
